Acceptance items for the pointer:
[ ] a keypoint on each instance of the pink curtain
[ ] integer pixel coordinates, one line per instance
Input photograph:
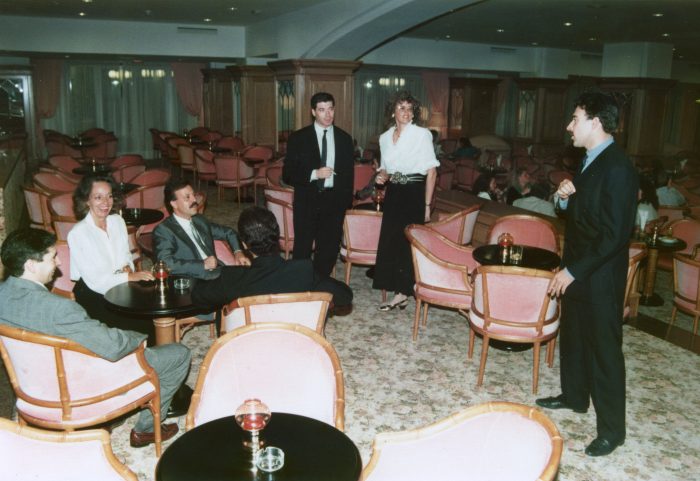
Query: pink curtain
(437, 85)
(189, 83)
(46, 79)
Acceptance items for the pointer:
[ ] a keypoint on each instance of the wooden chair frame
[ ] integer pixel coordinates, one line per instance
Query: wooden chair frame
(463, 214)
(67, 403)
(246, 302)
(631, 292)
(58, 290)
(43, 206)
(272, 326)
(550, 469)
(550, 339)
(72, 437)
(677, 307)
(284, 229)
(348, 245)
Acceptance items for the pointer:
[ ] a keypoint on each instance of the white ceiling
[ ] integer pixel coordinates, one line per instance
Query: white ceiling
(524, 22)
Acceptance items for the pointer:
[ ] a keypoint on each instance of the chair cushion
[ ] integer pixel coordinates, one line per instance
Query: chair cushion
(449, 299)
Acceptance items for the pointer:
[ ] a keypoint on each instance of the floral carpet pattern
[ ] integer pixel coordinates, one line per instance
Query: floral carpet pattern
(393, 383)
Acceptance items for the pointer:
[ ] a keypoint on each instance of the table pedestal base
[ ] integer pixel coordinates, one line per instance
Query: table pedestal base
(653, 300)
(165, 330)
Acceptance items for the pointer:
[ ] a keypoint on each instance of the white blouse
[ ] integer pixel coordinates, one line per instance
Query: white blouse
(96, 255)
(413, 153)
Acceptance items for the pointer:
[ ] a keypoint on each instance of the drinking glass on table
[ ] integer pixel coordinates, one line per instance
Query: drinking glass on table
(252, 416)
(505, 241)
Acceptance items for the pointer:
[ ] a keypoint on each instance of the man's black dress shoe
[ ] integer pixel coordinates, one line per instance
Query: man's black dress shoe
(557, 402)
(602, 446)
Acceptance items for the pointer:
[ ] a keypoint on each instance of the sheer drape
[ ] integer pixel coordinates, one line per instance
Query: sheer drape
(437, 85)
(47, 89)
(189, 82)
(373, 90)
(125, 99)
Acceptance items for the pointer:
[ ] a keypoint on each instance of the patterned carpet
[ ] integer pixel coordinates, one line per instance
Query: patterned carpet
(393, 384)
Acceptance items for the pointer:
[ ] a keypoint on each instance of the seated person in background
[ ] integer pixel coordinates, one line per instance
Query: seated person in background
(268, 273)
(519, 186)
(436, 143)
(100, 257)
(537, 201)
(466, 150)
(29, 257)
(486, 188)
(647, 203)
(185, 240)
(666, 193)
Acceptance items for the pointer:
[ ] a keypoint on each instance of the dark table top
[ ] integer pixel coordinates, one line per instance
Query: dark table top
(125, 188)
(313, 451)
(139, 217)
(533, 257)
(92, 169)
(146, 299)
(220, 150)
(678, 245)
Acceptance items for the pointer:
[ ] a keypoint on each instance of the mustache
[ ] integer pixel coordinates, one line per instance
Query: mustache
(194, 204)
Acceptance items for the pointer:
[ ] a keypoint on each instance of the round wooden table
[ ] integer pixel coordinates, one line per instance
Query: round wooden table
(533, 257)
(313, 451)
(139, 217)
(649, 297)
(163, 306)
(93, 169)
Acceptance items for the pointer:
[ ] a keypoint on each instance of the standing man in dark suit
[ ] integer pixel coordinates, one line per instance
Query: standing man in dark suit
(600, 204)
(320, 166)
(185, 240)
(268, 273)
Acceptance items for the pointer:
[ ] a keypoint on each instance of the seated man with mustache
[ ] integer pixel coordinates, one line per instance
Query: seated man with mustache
(185, 240)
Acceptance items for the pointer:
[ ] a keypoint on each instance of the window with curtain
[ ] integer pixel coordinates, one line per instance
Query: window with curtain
(526, 113)
(372, 92)
(125, 98)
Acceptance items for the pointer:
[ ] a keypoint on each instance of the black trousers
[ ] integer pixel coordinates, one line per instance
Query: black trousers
(96, 307)
(318, 226)
(592, 363)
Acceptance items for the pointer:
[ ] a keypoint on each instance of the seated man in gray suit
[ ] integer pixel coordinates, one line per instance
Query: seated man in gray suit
(269, 273)
(185, 240)
(29, 257)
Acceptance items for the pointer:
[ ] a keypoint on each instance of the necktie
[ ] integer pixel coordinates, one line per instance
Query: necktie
(583, 163)
(199, 240)
(324, 157)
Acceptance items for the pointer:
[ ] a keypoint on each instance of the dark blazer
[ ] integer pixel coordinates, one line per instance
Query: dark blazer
(600, 221)
(303, 156)
(172, 245)
(267, 275)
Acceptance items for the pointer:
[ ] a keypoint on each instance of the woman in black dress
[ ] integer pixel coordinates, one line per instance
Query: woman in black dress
(408, 170)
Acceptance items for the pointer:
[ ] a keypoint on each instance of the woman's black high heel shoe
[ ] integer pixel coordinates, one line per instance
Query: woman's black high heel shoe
(388, 306)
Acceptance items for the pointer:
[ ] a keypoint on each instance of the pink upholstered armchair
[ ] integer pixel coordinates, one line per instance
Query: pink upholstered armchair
(466, 175)
(30, 453)
(442, 270)
(686, 229)
(62, 284)
(284, 213)
(186, 154)
(232, 172)
(637, 252)
(512, 304)
(496, 440)
(288, 366)
(259, 157)
(61, 385)
(37, 202)
(146, 197)
(53, 184)
(236, 144)
(306, 308)
(126, 159)
(126, 173)
(528, 230)
(151, 177)
(686, 288)
(204, 166)
(64, 163)
(281, 193)
(360, 239)
(363, 175)
(62, 205)
(458, 227)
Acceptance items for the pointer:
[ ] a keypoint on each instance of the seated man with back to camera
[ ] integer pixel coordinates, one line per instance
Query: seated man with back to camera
(185, 240)
(29, 257)
(268, 273)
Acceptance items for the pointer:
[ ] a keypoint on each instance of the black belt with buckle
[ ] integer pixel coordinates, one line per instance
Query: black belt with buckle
(399, 178)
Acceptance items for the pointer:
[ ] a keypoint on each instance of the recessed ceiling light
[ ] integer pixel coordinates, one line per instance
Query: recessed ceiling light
(207, 19)
(82, 14)
(448, 36)
(500, 30)
(568, 24)
(658, 14)
(665, 34)
(233, 9)
(87, 1)
(535, 44)
(592, 39)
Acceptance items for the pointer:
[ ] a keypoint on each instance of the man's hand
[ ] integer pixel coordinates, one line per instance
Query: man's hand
(324, 172)
(240, 259)
(381, 177)
(210, 263)
(559, 283)
(140, 276)
(565, 189)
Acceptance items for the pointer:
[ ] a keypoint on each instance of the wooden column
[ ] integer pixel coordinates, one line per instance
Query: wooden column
(218, 100)
(478, 109)
(257, 96)
(312, 76)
